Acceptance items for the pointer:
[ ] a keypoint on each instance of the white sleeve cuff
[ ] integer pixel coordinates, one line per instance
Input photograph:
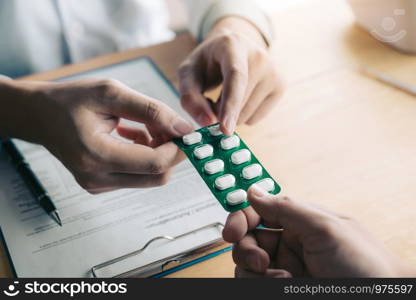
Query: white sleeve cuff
(3, 77)
(218, 9)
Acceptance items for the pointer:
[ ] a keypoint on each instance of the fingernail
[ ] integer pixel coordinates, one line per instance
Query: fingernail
(203, 119)
(182, 127)
(230, 123)
(257, 191)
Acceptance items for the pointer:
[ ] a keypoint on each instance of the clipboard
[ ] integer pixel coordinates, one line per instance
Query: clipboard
(169, 264)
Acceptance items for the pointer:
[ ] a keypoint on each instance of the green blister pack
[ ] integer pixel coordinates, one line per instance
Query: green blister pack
(226, 164)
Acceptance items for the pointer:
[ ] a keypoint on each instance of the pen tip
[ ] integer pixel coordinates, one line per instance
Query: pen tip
(56, 218)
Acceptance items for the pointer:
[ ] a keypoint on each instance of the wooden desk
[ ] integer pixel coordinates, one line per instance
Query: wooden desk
(337, 138)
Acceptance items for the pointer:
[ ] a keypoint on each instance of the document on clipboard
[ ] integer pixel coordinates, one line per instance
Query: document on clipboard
(130, 232)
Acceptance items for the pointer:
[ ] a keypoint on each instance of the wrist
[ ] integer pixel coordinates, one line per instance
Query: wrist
(19, 110)
(240, 26)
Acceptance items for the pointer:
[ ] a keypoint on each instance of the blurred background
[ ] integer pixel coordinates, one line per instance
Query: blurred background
(179, 16)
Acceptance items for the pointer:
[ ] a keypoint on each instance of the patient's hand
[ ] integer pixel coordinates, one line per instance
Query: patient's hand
(234, 55)
(74, 121)
(315, 242)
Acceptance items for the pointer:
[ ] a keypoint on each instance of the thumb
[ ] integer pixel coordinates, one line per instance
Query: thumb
(298, 217)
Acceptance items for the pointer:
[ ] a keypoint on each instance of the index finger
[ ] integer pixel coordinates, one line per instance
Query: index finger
(122, 101)
(234, 68)
(192, 95)
(122, 157)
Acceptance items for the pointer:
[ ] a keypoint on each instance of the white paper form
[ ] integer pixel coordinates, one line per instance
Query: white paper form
(102, 227)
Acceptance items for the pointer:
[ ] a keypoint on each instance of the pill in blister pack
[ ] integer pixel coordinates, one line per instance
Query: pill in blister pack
(214, 166)
(215, 130)
(226, 165)
(236, 197)
(230, 142)
(266, 184)
(225, 182)
(252, 171)
(203, 151)
(240, 156)
(192, 138)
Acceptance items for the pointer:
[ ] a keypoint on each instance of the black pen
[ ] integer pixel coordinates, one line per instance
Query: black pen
(31, 180)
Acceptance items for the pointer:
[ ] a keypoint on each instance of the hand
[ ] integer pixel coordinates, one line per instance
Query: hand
(235, 55)
(315, 242)
(74, 120)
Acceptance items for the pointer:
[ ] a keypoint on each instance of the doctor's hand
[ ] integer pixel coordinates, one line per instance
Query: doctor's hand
(74, 120)
(314, 243)
(234, 55)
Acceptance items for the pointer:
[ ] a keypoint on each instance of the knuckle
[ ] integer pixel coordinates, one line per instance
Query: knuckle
(236, 254)
(84, 164)
(156, 166)
(186, 99)
(252, 121)
(87, 162)
(107, 87)
(153, 111)
(237, 72)
(88, 184)
(184, 69)
(283, 202)
(94, 192)
(229, 39)
(285, 274)
(189, 103)
(240, 253)
(280, 89)
(275, 96)
(329, 227)
(259, 57)
(350, 220)
(162, 179)
(275, 80)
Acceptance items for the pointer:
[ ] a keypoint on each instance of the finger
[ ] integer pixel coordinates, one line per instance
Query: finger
(95, 191)
(248, 255)
(138, 136)
(298, 217)
(239, 223)
(268, 241)
(127, 103)
(192, 98)
(270, 273)
(119, 180)
(234, 68)
(235, 227)
(114, 181)
(251, 85)
(275, 86)
(255, 99)
(287, 259)
(253, 218)
(263, 109)
(121, 157)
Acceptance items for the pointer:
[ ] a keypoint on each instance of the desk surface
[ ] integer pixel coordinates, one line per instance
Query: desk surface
(341, 139)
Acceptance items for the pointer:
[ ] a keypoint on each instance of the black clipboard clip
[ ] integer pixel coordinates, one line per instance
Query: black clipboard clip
(167, 263)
